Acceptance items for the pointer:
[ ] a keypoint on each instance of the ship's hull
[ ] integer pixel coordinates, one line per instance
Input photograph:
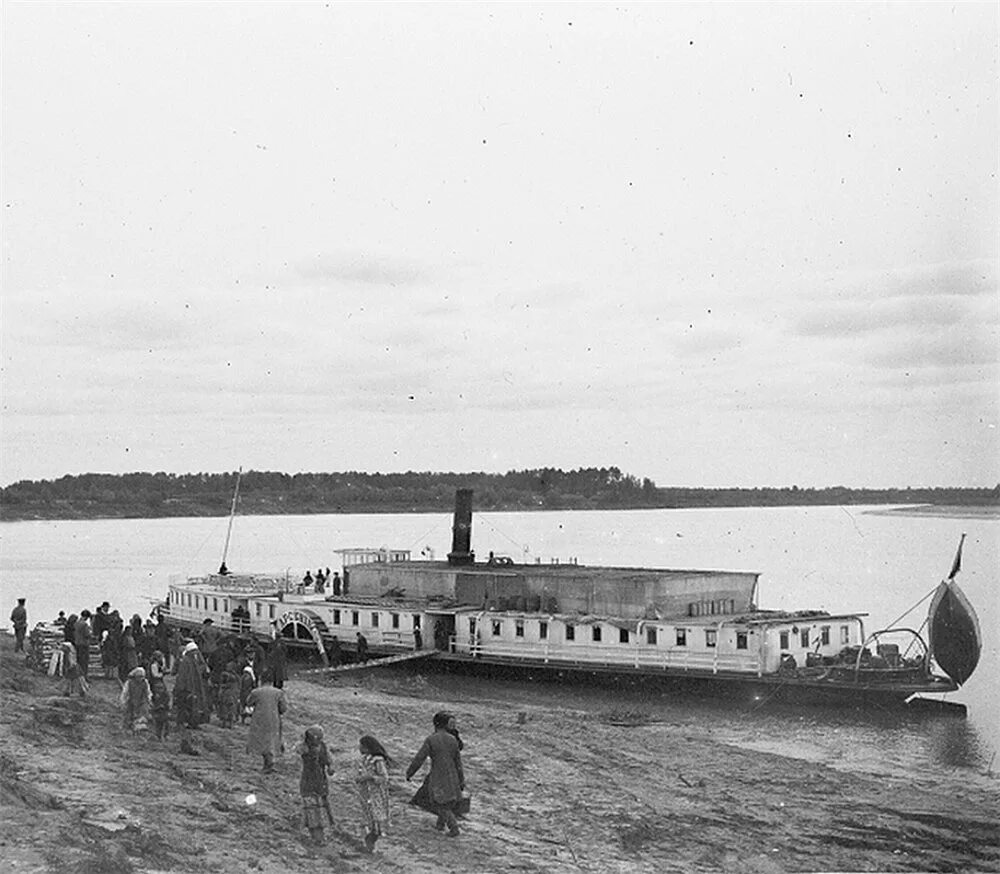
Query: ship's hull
(731, 686)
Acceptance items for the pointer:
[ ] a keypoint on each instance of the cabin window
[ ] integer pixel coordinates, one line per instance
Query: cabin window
(543, 630)
(395, 620)
(845, 634)
(682, 637)
(416, 621)
(270, 611)
(651, 636)
(623, 635)
(225, 606)
(570, 632)
(496, 627)
(741, 640)
(374, 620)
(824, 635)
(215, 605)
(472, 628)
(709, 637)
(519, 628)
(336, 617)
(805, 638)
(595, 633)
(783, 640)
(355, 617)
(258, 610)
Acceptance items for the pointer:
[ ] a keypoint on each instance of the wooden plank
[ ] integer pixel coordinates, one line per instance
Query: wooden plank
(374, 663)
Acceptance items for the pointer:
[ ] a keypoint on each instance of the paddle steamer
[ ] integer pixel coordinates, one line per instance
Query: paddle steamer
(683, 626)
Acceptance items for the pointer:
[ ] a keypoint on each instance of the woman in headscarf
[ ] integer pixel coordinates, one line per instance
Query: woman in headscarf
(136, 699)
(109, 654)
(190, 694)
(314, 785)
(128, 659)
(372, 779)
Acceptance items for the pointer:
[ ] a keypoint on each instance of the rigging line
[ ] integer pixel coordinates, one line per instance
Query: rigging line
(910, 646)
(197, 552)
(914, 607)
(767, 698)
(522, 546)
(298, 546)
(434, 527)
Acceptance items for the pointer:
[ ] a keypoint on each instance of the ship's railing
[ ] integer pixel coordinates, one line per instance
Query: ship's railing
(612, 654)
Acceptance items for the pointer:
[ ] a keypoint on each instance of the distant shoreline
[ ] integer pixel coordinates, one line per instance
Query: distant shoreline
(944, 511)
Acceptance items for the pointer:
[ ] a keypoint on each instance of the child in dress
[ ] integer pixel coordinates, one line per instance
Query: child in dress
(74, 683)
(248, 682)
(161, 696)
(229, 696)
(314, 786)
(373, 789)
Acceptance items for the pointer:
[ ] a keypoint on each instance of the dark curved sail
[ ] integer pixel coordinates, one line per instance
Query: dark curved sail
(955, 641)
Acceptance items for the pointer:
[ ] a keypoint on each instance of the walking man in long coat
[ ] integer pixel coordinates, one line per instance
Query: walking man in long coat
(446, 780)
(265, 738)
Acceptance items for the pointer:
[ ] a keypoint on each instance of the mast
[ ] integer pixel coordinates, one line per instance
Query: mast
(232, 515)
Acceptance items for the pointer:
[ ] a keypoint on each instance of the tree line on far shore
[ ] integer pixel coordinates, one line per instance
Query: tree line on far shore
(152, 495)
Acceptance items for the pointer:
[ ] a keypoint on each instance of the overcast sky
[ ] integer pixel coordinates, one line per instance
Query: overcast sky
(709, 244)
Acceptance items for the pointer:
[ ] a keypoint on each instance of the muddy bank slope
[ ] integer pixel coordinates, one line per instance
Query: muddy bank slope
(553, 791)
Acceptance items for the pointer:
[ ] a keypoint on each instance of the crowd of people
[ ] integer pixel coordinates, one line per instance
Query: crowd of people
(236, 679)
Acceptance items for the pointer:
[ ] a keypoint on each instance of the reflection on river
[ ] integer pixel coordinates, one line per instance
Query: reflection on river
(832, 558)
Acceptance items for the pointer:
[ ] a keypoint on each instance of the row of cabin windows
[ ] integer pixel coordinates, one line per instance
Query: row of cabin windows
(597, 633)
(394, 618)
(824, 636)
(196, 601)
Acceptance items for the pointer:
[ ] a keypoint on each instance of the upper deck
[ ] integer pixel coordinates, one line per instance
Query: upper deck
(562, 588)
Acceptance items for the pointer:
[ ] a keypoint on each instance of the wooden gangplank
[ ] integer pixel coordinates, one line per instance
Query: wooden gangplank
(374, 663)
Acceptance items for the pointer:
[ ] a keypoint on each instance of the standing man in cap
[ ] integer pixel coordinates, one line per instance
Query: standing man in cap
(19, 617)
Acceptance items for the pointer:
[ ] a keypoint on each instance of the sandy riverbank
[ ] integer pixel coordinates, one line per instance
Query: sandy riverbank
(553, 791)
(941, 511)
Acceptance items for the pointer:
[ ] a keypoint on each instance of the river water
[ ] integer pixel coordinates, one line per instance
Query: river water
(832, 558)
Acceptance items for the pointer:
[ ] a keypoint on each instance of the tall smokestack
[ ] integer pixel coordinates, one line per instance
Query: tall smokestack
(461, 532)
